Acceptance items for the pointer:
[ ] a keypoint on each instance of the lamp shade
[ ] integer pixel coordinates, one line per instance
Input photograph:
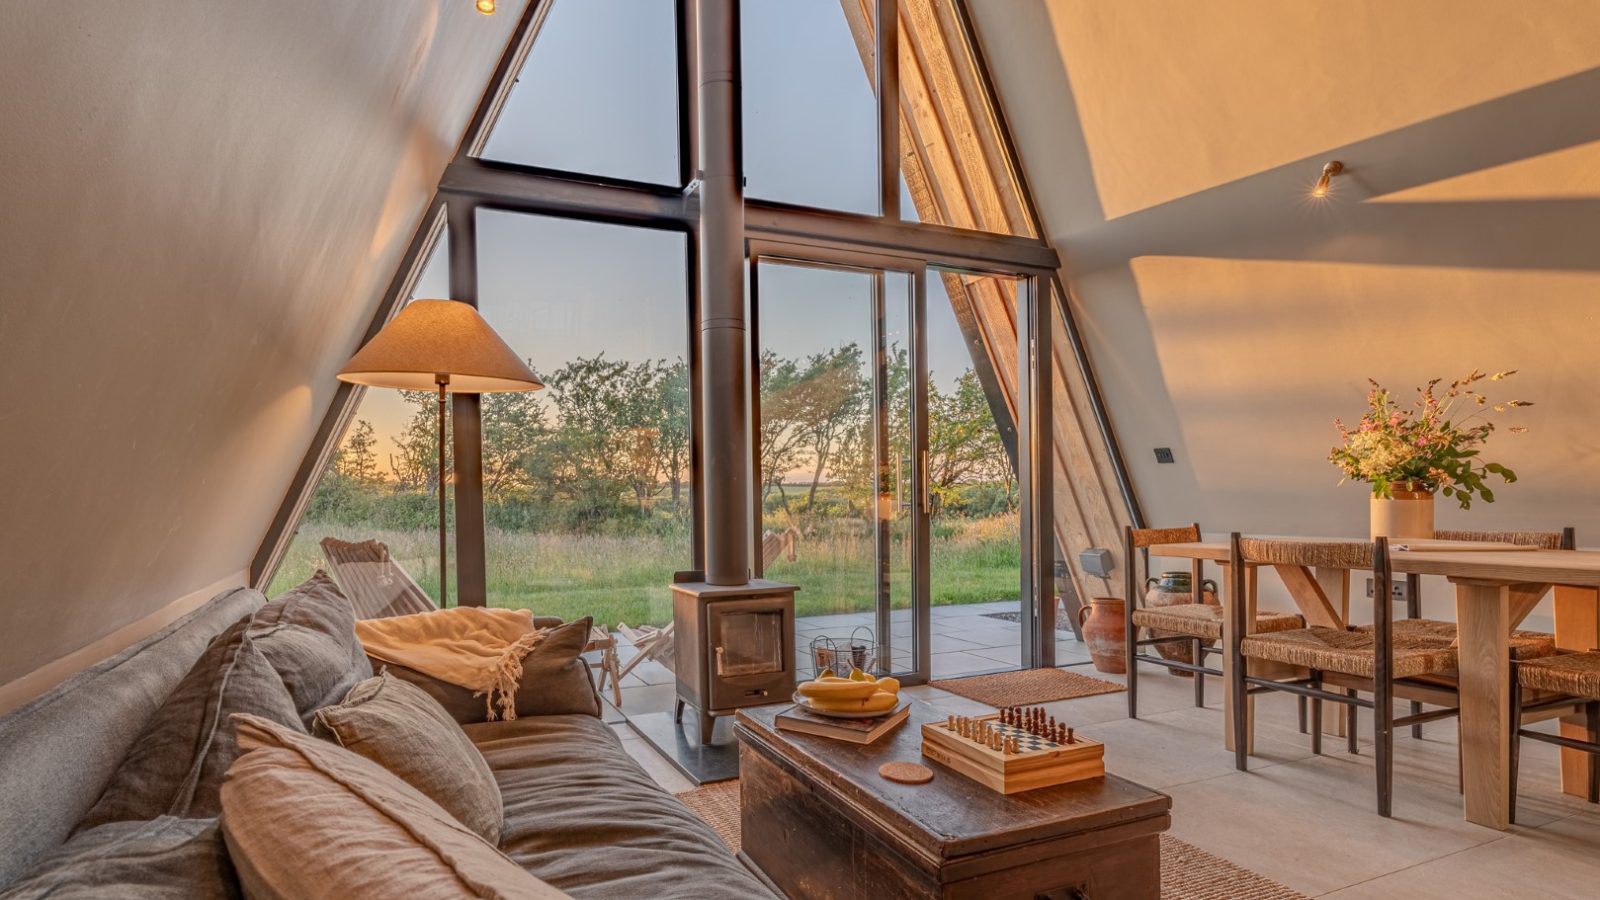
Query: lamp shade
(439, 340)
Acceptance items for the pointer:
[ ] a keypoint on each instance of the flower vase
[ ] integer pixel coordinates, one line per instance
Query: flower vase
(1406, 514)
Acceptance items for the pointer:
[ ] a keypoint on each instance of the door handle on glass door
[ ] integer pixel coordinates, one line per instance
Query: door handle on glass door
(927, 491)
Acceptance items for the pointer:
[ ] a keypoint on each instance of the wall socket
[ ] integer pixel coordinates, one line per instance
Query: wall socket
(1164, 455)
(1397, 588)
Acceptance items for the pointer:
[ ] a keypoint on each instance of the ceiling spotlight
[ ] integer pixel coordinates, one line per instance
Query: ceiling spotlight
(1328, 171)
(486, 7)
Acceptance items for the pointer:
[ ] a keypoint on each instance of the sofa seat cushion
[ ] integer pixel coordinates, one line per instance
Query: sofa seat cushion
(308, 634)
(555, 679)
(165, 858)
(584, 817)
(176, 765)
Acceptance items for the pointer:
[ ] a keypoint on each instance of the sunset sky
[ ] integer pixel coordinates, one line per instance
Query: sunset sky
(560, 289)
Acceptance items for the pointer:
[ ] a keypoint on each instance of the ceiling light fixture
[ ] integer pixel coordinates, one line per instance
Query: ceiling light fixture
(486, 7)
(1328, 171)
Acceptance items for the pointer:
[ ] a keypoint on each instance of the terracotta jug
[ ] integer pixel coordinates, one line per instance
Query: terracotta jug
(1105, 630)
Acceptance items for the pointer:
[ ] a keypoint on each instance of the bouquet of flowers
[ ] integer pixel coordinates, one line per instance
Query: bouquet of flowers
(1432, 447)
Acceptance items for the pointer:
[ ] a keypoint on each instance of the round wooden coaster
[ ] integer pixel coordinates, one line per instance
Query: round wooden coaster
(906, 772)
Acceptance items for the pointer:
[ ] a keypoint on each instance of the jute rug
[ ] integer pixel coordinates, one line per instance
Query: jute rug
(1187, 872)
(1027, 687)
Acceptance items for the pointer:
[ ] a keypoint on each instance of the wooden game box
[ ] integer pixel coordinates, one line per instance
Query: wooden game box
(1040, 763)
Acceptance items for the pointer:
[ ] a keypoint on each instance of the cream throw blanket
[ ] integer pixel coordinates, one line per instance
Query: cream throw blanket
(477, 648)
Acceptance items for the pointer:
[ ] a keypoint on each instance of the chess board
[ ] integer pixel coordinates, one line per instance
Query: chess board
(1038, 762)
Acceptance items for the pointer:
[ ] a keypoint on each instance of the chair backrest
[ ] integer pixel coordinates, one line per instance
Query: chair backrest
(1314, 554)
(776, 542)
(1565, 539)
(1318, 554)
(1136, 539)
(377, 585)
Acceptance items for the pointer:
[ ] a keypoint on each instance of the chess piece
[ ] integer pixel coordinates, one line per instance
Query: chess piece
(950, 722)
(1070, 738)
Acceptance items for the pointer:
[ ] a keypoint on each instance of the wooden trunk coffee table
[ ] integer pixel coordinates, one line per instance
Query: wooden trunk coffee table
(820, 822)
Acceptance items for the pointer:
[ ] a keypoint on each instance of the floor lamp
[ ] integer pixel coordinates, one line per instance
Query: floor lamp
(443, 345)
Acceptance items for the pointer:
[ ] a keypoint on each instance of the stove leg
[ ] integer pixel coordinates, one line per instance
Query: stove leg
(677, 712)
(708, 725)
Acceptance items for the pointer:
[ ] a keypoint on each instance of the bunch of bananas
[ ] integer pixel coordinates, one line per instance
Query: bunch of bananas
(859, 693)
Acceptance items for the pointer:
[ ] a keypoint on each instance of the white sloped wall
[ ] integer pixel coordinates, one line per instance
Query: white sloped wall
(1172, 148)
(202, 203)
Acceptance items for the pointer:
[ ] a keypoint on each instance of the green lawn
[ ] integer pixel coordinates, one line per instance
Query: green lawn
(625, 579)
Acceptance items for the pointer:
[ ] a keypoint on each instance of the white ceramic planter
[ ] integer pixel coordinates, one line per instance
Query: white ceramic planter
(1408, 515)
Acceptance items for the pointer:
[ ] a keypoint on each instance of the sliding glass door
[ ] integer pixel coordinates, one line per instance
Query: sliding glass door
(839, 500)
(891, 468)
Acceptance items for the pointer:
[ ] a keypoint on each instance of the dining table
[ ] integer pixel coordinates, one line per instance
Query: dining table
(1497, 585)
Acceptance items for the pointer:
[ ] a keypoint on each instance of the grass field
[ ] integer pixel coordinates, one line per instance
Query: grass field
(624, 579)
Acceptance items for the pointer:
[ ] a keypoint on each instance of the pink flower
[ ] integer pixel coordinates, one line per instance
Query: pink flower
(1368, 426)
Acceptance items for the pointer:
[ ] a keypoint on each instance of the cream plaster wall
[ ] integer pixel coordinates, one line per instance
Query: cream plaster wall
(1172, 146)
(202, 203)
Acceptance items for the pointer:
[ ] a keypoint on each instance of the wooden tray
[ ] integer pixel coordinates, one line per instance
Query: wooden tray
(1040, 763)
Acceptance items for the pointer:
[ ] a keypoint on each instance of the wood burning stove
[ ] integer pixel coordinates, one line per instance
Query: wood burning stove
(735, 647)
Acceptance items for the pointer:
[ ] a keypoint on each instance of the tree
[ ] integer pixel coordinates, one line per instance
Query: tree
(963, 442)
(515, 429)
(782, 440)
(416, 460)
(673, 432)
(356, 459)
(827, 400)
(610, 422)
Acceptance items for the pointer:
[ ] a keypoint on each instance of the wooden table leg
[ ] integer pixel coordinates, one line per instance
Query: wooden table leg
(1227, 665)
(1335, 584)
(1577, 613)
(1483, 614)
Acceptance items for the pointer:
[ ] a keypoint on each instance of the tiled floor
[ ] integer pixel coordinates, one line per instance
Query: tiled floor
(1306, 821)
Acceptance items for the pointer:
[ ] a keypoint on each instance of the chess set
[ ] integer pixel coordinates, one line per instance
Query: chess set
(1016, 749)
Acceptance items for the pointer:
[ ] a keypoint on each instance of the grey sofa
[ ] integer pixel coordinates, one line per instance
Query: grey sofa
(579, 812)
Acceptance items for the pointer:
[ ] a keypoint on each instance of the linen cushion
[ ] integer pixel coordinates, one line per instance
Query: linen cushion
(158, 859)
(305, 818)
(176, 765)
(569, 785)
(308, 634)
(555, 680)
(398, 726)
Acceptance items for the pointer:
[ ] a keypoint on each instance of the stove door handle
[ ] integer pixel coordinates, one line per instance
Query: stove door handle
(719, 662)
